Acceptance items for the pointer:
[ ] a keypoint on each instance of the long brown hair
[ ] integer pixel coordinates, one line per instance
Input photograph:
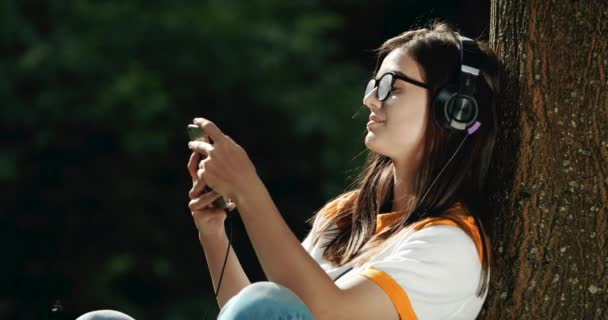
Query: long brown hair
(435, 49)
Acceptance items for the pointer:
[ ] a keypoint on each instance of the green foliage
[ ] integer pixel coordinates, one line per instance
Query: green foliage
(96, 96)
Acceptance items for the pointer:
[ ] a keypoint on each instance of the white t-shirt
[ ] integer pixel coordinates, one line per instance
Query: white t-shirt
(432, 271)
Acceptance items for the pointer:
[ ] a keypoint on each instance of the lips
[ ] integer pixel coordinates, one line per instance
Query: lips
(373, 121)
(374, 118)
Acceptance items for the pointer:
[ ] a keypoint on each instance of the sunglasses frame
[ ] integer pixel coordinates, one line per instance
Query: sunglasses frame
(395, 75)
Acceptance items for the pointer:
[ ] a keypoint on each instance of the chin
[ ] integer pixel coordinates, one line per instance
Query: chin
(375, 146)
(369, 141)
(372, 144)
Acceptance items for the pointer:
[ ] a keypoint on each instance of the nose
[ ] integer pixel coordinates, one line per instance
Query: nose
(371, 100)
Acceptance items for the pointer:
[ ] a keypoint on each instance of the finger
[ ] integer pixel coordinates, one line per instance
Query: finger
(202, 201)
(198, 187)
(201, 166)
(210, 129)
(193, 164)
(199, 175)
(200, 147)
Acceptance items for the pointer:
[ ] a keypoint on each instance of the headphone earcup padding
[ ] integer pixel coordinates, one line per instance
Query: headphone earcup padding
(440, 101)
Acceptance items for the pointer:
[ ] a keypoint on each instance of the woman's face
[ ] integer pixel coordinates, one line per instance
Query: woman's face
(403, 113)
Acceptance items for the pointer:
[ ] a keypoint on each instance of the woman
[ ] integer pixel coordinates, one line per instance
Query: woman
(409, 241)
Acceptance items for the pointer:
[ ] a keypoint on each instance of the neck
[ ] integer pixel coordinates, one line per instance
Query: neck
(403, 186)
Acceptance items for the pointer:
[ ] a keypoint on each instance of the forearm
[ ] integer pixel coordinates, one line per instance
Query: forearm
(234, 278)
(281, 254)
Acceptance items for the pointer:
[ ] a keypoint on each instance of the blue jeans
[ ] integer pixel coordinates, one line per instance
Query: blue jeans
(104, 315)
(260, 300)
(265, 300)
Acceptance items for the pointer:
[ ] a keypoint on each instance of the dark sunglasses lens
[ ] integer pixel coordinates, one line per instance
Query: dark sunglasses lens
(384, 87)
(371, 84)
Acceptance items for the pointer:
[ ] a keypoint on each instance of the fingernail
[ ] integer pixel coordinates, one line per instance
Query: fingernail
(189, 144)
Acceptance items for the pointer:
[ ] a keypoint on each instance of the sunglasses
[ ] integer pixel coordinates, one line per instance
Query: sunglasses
(385, 84)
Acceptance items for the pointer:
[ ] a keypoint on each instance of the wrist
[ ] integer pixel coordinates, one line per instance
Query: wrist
(253, 191)
(211, 236)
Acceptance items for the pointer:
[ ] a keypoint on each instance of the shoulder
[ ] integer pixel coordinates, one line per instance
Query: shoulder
(436, 267)
(457, 225)
(442, 243)
(439, 255)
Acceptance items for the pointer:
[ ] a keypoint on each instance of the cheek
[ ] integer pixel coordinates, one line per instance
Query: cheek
(406, 127)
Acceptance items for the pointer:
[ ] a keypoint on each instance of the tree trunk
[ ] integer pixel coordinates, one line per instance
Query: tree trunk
(550, 182)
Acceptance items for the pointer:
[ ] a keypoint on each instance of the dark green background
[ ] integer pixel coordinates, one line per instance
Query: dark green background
(95, 98)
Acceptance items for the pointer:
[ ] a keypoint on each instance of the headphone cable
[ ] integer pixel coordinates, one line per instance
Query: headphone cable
(225, 260)
(470, 131)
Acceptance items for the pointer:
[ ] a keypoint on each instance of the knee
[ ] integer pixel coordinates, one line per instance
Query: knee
(263, 300)
(104, 315)
(268, 290)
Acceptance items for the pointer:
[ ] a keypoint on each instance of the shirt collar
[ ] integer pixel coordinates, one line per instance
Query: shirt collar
(383, 220)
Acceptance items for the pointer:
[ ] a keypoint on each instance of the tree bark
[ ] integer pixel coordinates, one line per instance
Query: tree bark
(550, 180)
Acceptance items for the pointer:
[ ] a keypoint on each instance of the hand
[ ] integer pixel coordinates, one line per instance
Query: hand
(226, 168)
(209, 220)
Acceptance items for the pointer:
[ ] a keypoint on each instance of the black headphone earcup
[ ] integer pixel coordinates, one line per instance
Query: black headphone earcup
(440, 101)
(454, 111)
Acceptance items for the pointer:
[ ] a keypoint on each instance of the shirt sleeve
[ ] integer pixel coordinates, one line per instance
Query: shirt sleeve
(431, 274)
(307, 242)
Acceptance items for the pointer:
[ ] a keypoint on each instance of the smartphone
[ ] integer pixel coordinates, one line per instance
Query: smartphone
(195, 133)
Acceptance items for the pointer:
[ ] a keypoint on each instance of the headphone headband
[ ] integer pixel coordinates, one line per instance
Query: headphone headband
(469, 65)
(470, 60)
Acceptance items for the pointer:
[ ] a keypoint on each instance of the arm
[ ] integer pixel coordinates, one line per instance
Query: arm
(229, 171)
(286, 262)
(214, 240)
(234, 278)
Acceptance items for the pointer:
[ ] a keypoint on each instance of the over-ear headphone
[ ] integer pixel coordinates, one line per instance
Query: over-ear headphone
(454, 105)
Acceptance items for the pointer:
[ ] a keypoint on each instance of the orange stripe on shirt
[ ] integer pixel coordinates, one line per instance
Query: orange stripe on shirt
(458, 211)
(384, 220)
(397, 295)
